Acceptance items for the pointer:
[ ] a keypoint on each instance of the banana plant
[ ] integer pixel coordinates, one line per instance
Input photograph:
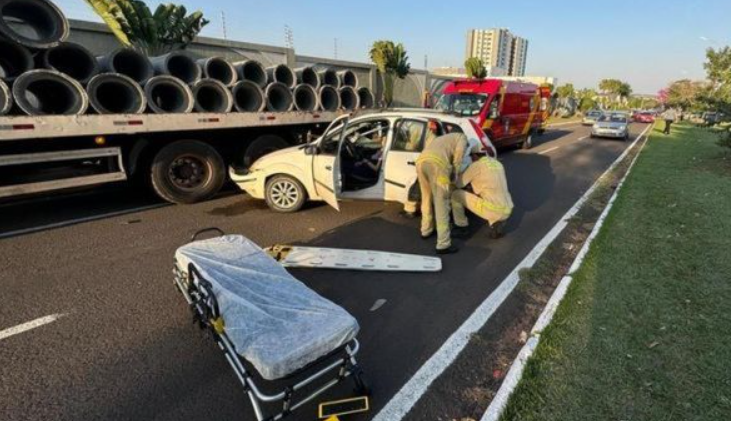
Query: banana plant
(392, 62)
(134, 25)
(475, 68)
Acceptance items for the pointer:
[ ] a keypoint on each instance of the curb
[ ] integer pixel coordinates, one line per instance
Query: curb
(495, 410)
(402, 402)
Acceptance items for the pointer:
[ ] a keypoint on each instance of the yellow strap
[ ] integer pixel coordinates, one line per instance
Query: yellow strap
(434, 158)
(218, 325)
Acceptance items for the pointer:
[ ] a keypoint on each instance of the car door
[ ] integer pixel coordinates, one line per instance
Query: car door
(407, 143)
(326, 175)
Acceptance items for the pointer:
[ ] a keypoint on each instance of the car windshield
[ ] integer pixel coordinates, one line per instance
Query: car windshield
(594, 114)
(462, 104)
(613, 118)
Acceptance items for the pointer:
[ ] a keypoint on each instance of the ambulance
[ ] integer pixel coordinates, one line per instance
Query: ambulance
(511, 113)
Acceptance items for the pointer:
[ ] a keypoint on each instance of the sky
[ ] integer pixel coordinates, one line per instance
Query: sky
(647, 43)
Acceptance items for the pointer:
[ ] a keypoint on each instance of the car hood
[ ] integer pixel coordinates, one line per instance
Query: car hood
(610, 125)
(282, 155)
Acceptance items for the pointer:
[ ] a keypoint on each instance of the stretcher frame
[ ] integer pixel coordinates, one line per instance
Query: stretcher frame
(198, 293)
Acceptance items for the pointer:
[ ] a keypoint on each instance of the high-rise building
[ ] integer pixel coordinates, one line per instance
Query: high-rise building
(502, 53)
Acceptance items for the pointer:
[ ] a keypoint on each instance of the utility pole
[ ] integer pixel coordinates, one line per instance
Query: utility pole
(426, 62)
(223, 23)
(288, 37)
(336, 49)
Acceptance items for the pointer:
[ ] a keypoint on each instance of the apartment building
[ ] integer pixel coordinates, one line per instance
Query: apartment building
(503, 53)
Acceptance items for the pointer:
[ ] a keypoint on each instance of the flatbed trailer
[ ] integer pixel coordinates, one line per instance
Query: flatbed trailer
(184, 158)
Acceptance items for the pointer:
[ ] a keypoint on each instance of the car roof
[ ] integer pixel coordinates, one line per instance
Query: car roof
(426, 113)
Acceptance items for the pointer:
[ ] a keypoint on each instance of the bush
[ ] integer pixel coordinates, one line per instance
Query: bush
(724, 139)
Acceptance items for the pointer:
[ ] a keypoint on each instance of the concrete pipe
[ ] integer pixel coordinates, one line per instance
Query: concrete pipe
(305, 97)
(212, 96)
(6, 98)
(329, 98)
(219, 69)
(281, 73)
(168, 94)
(44, 27)
(252, 71)
(309, 76)
(14, 60)
(329, 77)
(48, 92)
(248, 97)
(129, 63)
(348, 98)
(114, 93)
(366, 98)
(178, 64)
(71, 59)
(348, 78)
(279, 97)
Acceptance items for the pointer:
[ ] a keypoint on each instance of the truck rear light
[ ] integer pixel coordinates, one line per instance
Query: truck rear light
(18, 127)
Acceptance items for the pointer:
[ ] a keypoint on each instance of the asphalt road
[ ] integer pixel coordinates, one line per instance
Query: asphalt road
(125, 348)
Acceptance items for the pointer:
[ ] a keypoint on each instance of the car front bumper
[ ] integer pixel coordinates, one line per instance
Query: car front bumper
(250, 182)
(609, 133)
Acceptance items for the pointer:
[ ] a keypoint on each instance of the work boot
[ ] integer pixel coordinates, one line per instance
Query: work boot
(460, 232)
(428, 236)
(496, 230)
(448, 250)
(407, 215)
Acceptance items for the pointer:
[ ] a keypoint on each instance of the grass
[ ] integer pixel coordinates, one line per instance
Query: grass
(644, 332)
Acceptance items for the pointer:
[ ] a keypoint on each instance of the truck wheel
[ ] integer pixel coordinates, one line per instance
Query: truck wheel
(263, 145)
(187, 171)
(528, 142)
(285, 194)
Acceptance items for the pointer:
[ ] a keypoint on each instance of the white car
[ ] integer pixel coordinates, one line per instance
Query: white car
(374, 158)
(612, 124)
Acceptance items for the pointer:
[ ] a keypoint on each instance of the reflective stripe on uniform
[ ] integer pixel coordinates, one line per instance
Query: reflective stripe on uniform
(489, 206)
(433, 158)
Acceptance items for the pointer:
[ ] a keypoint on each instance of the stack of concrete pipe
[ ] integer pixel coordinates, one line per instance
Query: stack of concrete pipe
(46, 75)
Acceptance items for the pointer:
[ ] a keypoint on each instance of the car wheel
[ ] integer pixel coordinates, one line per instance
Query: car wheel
(187, 171)
(285, 194)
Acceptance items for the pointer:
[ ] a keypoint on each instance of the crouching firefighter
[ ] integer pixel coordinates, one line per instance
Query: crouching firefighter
(437, 167)
(491, 200)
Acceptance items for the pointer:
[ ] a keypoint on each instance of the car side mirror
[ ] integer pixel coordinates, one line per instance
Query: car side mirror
(311, 150)
(494, 113)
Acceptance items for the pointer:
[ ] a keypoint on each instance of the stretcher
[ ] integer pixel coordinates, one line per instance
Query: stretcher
(271, 327)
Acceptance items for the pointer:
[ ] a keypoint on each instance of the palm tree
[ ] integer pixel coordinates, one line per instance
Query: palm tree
(391, 61)
(475, 68)
(134, 25)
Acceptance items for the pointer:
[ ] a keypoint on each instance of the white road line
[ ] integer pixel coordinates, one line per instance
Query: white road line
(16, 330)
(78, 221)
(418, 384)
(548, 150)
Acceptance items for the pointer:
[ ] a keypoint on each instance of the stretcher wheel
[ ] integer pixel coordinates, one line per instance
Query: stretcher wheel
(361, 386)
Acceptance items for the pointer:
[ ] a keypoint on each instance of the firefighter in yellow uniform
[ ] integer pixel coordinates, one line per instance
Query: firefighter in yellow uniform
(437, 168)
(491, 200)
(411, 207)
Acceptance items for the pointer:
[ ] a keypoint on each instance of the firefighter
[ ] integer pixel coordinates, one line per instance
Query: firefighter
(431, 134)
(491, 200)
(437, 167)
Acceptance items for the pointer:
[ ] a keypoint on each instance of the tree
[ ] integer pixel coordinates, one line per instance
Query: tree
(475, 68)
(718, 68)
(566, 91)
(686, 94)
(131, 21)
(391, 61)
(615, 87)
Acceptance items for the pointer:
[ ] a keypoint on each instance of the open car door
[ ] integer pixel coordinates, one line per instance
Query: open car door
(409, 136)
(326, 163)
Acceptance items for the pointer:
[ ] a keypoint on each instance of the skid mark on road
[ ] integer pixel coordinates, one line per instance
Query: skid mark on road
(33, 324)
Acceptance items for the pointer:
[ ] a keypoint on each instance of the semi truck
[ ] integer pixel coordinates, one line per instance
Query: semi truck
(184, 158)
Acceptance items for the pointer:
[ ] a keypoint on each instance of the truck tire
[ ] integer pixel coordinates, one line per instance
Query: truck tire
(528, 142)
(187, 171)
(264, 144)
(285, 194)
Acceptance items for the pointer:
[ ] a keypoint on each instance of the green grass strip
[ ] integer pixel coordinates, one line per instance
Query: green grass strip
(644, 332)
